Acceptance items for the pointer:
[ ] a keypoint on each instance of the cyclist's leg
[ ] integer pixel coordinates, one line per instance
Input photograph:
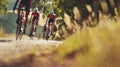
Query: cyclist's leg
(33, 23)
(54, 27)
(31, 30)
(18, 11)
(27, 8)
(26, 17)
(49, 23)
(19, 8)
(36, 23)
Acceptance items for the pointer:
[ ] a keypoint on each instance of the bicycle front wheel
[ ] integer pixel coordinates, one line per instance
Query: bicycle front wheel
(19, 32)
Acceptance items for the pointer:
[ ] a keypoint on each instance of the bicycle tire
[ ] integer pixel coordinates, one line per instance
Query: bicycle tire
(19, 32)
(33, 32)
(20, 26)
(47, 36)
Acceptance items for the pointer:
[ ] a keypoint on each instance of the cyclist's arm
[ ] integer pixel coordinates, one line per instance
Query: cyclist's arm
(15, 4)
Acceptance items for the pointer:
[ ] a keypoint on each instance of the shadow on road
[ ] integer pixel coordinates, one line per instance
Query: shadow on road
(5, 40)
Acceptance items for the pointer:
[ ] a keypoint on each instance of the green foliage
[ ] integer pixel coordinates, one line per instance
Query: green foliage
(58, 7)
(62, 6)
(3, 6)
(8, 22)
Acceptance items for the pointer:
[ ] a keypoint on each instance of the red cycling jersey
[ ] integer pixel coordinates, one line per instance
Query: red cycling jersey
(36, 14)
(51, 16)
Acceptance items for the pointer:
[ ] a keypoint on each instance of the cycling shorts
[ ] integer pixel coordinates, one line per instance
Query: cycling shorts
(51, 20)
(26, 4)
(35, 18)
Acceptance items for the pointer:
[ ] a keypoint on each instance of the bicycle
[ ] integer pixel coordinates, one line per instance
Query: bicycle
(20, 26)
(49, 31)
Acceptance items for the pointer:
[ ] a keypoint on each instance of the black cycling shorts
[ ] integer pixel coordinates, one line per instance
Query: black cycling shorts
(51, 21)
(26, 4)
(34, 18)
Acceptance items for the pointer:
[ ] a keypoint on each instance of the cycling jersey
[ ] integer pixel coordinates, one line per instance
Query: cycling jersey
(51, 18)
(36, 15)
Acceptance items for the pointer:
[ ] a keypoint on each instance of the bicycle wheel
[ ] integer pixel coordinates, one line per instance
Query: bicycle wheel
(47, 33)
(32, 33)
(19, 31)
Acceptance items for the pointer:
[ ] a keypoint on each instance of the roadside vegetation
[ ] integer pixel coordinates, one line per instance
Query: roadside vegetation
(3, 6)
(2, 32)
(92, 47)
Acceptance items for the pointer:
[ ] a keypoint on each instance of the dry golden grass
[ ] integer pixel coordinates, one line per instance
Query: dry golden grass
(2, 32)
(93, 47)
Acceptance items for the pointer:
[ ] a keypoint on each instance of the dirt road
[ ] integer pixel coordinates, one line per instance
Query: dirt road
(9, 47)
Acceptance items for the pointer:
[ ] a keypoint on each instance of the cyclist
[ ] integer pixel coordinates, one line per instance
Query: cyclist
(51, 20)
(23, 3)
(34, 19)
